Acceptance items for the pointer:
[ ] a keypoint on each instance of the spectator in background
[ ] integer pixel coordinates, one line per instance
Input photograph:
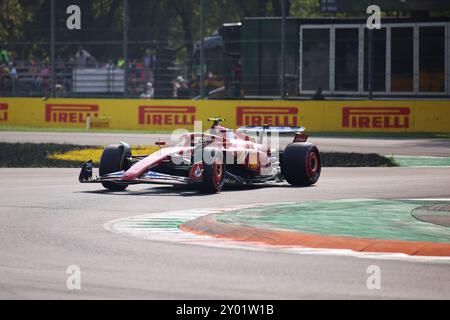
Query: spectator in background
(120, 63)
(60, 65)
(13, 76)
(110, 65)
(82, 57)
(149, 65)
(13, 72)
(42, 79)
(33, 69)
(176, 85)
(318, 95)
(149, 91)
(136, 76)
(4, 57)
(183, 89)
(91, 63)
(70, 64)
(212, 83)
(4, 68)
(60, 90)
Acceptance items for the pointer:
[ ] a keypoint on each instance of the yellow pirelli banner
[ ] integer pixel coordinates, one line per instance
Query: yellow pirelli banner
(166, 115)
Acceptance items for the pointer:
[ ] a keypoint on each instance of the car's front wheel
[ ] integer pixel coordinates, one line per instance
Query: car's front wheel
(113, 159)
(301, 164)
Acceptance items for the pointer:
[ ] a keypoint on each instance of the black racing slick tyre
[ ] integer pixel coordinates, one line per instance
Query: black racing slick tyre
(113, 159)
(213, 173)
(301, 164)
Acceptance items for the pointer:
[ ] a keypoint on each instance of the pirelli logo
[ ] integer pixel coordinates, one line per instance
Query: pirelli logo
(99, 122)
(273, 116)
(166, 115)
(3, 112)
(70, 113)
(375, 118)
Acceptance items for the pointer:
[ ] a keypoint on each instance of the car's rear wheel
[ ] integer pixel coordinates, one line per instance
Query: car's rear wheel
(213, 173)
(113, 159)
(301, 164)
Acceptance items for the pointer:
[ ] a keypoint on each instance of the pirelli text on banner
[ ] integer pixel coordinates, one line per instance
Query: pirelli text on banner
(166, 115)
(70, 113)
(273, 116)
(376, 118)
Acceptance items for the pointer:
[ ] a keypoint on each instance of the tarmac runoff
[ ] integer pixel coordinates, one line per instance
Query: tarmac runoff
(361, 227)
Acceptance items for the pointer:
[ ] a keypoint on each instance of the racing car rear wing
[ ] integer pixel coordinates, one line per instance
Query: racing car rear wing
(270, 129)
(260, 131)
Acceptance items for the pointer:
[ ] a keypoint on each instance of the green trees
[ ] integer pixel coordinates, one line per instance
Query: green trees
(173, 23)
(13, 15)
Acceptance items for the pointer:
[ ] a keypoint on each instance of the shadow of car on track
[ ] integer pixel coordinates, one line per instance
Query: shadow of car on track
(157, 191)
(185, 191)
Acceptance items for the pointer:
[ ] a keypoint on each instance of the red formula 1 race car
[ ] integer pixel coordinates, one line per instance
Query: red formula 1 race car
(210, 160)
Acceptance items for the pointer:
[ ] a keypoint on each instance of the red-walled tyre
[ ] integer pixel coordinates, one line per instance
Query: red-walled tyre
(301, 164)
(213, 174)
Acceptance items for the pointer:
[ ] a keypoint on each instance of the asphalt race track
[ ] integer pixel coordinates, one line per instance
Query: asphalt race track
(48, 221)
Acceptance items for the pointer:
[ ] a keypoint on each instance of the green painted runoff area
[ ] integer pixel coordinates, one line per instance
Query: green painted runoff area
(417, 161)
(376, 219)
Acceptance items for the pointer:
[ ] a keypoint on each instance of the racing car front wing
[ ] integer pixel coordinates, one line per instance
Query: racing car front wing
(151, 177)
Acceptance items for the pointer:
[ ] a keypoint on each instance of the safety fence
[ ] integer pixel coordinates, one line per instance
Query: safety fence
(223, 50)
